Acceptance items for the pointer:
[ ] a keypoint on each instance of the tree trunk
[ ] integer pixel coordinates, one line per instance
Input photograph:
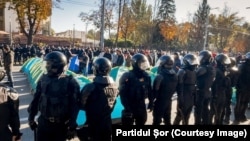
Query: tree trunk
(118, 26)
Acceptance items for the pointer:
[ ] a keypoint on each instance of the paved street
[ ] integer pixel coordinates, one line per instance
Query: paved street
(22, 86)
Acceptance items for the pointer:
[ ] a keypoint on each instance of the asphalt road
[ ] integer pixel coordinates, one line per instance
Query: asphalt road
(22, 86)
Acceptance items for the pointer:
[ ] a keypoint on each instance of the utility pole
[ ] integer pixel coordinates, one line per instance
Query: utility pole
(118, 26)
(73, 35)
(86, 32)
(102, 25)
(10, 22)
(206, 27)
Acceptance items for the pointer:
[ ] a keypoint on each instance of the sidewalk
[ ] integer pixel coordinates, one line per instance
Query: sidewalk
(22, 86)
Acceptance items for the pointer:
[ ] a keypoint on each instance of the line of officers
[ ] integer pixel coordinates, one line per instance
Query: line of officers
(203, 83)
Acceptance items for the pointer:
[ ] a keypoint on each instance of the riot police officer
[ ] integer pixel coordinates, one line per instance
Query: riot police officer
(242, 91)
(134, 88)
(164, 86)
(205, 77)
(186, 89)
(56, 100)
(221, 83)
(98, 99)
(233, 77)
(9, 104)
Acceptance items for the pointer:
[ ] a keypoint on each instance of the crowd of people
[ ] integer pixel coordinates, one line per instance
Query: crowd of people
(202, 80)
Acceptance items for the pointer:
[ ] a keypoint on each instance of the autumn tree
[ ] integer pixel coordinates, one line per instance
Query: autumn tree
(30, 14)
(127, 23)
(200, 21)
(94, 17)
(165, 26)
(142, 14)
(183, 34)
(225, 30)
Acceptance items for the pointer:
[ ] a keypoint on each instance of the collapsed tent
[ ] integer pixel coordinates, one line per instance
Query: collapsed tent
(33, 69)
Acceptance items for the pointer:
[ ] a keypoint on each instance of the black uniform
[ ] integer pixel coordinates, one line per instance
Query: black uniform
(205, 78)
(186, 89)
(56, 100)
(233, 77)
(242, 91)
(164, 87)
(219, 87)
(9, 119)
(134, 88)
(98, 99)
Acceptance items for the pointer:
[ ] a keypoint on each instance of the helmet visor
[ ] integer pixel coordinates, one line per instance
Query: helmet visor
(144, 65)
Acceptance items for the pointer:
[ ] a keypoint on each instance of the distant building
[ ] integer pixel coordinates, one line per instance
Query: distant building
(74, 34)
(8, 20)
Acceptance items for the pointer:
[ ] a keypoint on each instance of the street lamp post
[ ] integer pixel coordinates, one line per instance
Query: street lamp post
(73, 35)
(10, 22)
(102, 25)
(86, 34)
(206, 27)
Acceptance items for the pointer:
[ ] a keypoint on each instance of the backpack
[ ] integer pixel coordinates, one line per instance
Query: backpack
(54, 101)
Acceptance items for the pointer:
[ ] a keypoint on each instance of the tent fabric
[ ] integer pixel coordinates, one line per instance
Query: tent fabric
(74, 64)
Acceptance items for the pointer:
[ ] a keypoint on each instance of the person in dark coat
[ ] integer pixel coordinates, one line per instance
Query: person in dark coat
(120, 58)
(233, 77)
(177, 61)
(164, 86)
(9, 111)
(205, 74)
(242, 91)
(186, 89)
(219, 87)
(8, 61)
(98, 100)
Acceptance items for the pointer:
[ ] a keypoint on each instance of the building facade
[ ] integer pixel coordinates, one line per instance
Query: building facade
(8, 18)
(74, 34)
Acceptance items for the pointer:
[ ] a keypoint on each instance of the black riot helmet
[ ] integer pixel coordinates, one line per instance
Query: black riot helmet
(165, 62)
(102, 66)
(55, 62)
(205, 57)
(190, 61)
(140, 62)
(222, 60)
(2, 75)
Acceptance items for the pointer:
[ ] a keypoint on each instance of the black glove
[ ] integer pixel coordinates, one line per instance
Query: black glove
(71, 133)
(150, 106)
(18, 136)
(32, 124)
